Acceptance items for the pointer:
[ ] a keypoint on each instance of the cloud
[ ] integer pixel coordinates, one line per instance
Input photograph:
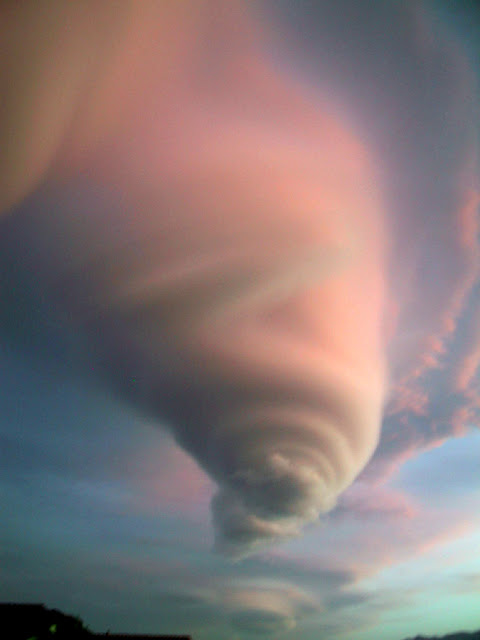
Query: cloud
(450, 534)
(266, 391)
(422, 128)
(266, 606)
(364, 501)
(259, 607)
(238, 298)
(255, 266)
(264, 611)
(263, 621)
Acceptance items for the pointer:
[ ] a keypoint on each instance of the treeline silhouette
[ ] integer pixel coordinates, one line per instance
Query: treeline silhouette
(21, 621)
(459, 635)
(36, 622)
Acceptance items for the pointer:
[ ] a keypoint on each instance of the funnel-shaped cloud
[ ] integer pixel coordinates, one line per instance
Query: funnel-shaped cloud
(247, 319)
(222, 243)
(227, 278)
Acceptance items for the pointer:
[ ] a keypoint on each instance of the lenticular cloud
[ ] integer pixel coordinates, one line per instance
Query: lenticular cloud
(221, 243)
(247, 319)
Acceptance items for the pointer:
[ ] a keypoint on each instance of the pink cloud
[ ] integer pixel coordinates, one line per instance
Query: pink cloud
(378, 544)
(235, 208)
(367, 501)
(450, 534)
(236, 253)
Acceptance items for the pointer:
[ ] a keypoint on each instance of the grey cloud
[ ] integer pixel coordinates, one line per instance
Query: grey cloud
(181, 599)
(261, 622)
(341, 599)
(315, 578)
(252, 606)
(266, 607)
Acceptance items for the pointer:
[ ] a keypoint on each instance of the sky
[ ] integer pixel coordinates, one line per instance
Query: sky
(240, 345)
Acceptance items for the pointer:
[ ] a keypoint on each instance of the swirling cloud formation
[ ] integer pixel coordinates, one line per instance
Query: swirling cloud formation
(218, 235)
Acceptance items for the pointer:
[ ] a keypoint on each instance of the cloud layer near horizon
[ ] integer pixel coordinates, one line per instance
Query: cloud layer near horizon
(246, 268)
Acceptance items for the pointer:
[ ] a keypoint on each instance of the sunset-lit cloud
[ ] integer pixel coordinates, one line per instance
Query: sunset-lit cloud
(239, 271)
(235, 289)
(367, 501)
(255, 279)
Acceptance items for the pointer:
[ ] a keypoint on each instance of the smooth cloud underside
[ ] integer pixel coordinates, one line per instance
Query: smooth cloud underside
(223, 246)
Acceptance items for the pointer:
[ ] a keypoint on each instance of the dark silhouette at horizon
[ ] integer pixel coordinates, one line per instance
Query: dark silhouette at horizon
(34, 621)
